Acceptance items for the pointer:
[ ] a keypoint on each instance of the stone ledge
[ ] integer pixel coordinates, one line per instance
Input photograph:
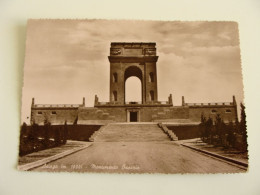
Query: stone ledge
(129, 59)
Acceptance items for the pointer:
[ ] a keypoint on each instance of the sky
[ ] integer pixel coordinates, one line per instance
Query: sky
(66, 60)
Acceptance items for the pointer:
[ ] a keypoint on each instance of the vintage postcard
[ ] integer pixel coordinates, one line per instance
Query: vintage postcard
(123, 96)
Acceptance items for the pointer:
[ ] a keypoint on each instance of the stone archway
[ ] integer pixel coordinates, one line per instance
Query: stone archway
(133, 59)
(133, 90)
(136, 72)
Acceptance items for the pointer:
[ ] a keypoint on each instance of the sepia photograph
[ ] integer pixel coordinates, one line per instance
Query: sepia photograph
(132, 96)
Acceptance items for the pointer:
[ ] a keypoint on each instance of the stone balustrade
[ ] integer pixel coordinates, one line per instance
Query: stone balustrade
(132, 103)
(57, 105)
(210, 104)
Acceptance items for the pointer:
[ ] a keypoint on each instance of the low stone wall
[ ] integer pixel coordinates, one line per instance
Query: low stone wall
(75, 132)
(54, 115)
(227, 112)
(119, 113)
(185, 131)
(82, 132)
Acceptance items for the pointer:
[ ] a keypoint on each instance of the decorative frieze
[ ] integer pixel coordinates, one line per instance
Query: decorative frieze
(115, 51)
(150, 52)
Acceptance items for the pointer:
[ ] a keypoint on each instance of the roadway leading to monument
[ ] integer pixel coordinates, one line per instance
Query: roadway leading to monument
(139, 157)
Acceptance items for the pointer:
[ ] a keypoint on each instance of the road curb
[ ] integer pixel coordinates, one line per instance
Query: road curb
(41, 162)
(218, 156)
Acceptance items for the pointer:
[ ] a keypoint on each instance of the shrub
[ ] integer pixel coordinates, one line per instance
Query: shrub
(65, 133)
(57, 137)
(47, 128)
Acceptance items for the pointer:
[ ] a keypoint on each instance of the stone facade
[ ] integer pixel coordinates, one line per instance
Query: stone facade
(55, 113)
(126, 60)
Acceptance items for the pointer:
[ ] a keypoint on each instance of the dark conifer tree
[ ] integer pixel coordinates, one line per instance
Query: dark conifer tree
(202, 127)
(243, 126)
(65, 133)
(23, 131)
(231, 134)
(57, 137)
(22, 136)
(47, 126)
(209, 129)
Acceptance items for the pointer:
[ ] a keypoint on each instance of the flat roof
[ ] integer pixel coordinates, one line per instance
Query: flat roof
(139, 43)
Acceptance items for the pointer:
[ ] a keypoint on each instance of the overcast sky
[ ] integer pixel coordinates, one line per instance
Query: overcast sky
(66, 60)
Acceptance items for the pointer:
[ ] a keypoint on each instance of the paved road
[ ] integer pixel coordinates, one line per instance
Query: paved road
(139, 157)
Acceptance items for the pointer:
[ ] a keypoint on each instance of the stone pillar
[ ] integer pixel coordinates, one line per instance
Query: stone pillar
(234, 100)
(96, 100)
(32, 102)
(183, 101)
(83, 101)
(170, 99)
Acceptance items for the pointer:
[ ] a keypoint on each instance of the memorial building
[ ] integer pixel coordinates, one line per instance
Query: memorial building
(129, 59)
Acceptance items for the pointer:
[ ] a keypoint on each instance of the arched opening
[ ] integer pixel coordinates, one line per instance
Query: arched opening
(133, 90)
(114, 77)
(133, 84)
(151, 95)
(151, 77)
(115, 96)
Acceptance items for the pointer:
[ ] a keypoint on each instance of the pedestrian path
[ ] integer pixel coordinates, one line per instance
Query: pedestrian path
(29, 161)
(231, 155)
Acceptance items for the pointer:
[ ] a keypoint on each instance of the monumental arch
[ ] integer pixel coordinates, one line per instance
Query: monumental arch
(129, 59)
(133, 59)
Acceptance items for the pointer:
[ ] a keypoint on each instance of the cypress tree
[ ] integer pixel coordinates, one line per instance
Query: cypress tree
(65, 133)
(46, 132)
(243, 126)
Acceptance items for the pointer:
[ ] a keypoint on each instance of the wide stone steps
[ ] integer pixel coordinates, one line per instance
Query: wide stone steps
(130, 133)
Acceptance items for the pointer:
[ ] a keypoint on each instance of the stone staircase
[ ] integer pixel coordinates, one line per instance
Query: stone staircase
(129, 132)
(170, 133)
